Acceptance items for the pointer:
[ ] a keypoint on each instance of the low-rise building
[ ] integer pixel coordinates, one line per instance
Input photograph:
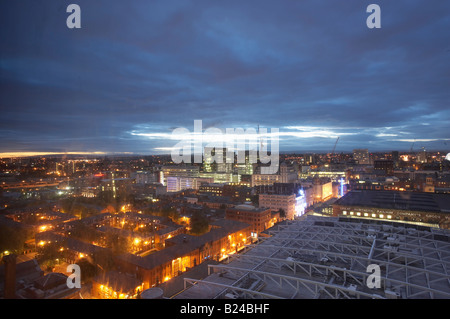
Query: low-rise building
(259, 218)
(413, 207)
(184, 251)
(116, 285)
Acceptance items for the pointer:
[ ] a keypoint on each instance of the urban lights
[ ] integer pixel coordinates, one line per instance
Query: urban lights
(237, 140)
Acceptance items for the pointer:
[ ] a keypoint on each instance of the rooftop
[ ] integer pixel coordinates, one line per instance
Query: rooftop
(246, 207)
(327, 258)
(184, 244)
(418, 201)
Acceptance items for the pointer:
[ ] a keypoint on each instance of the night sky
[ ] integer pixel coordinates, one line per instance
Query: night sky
(138, 69)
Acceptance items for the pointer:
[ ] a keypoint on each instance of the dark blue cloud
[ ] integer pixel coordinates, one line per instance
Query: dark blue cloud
(151, 66)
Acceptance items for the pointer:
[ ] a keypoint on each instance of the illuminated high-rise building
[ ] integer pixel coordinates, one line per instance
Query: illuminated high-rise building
(178, 171)
(422, 156)
(217, 160)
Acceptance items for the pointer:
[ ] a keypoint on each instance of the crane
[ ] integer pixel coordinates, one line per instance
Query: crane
(334, 148)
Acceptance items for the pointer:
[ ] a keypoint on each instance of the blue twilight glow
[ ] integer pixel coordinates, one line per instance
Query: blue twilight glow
(122, 87)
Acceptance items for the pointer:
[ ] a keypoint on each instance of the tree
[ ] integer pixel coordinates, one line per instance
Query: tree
(255, 200)
(12, 239)
(104, 259)
(109, 209)
(83, 232)
(171, 213)
(282, 213)
(199, 223)
(87, 269)
(49, 253)
(119, 245)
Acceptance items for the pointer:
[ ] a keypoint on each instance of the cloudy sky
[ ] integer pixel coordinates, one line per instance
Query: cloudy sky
(136, 70)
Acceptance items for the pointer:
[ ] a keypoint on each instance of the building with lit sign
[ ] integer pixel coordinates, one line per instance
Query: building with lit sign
(411, 207)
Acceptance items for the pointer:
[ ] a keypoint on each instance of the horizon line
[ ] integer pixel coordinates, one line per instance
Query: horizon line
(103, 153)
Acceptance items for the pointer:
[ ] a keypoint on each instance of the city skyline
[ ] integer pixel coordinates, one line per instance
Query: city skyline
(134, 72)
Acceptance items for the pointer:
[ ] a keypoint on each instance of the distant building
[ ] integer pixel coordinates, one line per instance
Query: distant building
(384, 167)
(234, 192)
(422, 156)
(279, 188)
(428, 186)
(148, 190)
(245, 168)
(292, 205)
(115, 285)
(178, 171)
(413, 207)
(293, 198)
(211, 189)
(287, 174)
(442, 184)
(217, 160)
(265, 179)
(239, 193)
(322, 189)
(177, 183)
(259, 218)
(361, 156)
(145, 177)
(395, 158)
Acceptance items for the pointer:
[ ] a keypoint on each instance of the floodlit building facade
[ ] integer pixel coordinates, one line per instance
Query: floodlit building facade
(287, 203)
(265, 179)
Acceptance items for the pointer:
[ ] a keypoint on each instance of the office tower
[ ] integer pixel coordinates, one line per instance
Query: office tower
(422, 156)
(217, 160)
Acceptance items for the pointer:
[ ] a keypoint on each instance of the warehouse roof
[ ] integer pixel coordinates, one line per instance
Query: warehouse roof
(327, 258)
